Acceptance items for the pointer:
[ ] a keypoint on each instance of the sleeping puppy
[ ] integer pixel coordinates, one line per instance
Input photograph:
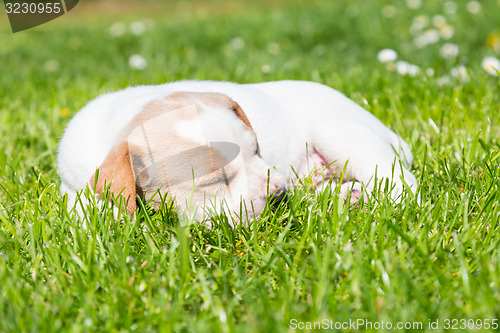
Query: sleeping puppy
(225, 147)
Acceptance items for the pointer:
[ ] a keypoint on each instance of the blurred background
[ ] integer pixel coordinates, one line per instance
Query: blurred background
(155, 41)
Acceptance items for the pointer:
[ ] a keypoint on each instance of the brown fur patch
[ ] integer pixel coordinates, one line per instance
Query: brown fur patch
(211, 99)
(239, 113)
(116, 172)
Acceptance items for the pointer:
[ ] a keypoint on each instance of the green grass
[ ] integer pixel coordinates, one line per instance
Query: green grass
(315, 259)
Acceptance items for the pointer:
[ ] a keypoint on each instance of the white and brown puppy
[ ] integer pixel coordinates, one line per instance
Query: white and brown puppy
(206, 142)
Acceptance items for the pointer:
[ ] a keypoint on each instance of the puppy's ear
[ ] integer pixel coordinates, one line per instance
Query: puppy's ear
(117, 172)
(236, 108)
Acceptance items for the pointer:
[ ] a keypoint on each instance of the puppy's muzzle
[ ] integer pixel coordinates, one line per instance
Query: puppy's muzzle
(280, 197)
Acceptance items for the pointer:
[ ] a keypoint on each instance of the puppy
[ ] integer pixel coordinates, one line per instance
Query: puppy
(225, 147)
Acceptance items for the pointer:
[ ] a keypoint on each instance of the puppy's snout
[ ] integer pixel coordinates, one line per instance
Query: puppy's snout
(280, 196)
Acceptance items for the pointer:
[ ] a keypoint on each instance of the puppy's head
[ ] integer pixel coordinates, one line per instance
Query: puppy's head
(199, 148)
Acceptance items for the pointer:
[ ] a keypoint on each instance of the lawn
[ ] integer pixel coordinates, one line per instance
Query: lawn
(431, 261)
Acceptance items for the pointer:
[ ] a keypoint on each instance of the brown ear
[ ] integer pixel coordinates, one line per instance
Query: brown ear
(117, 172)
(239, 113)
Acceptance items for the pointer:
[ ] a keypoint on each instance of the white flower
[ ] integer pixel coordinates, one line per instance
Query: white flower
(414, 4)
(387, 55)
(117, 29)
(137, 27)
(421, 20)
(389, 11)
(446, 31)
(443, 80)
(237, 43)
(491, 65)
(420, 41)
(137, 62)
(51, 66)
(473, 7)
(88, 322)
(438, 21)
(265, 69)
(273, 48)
(460, 73)
(419, 23)
(429, 71)
(431, 36)
(413, 70)
(449, 51)
(450, 7)
(405, 68)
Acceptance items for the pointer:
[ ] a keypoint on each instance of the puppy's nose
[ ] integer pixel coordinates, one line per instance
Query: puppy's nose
(279, 197)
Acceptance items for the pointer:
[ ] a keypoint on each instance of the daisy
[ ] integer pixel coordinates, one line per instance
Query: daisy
(414, 4)
(450, 7)
(266, 69)
(491, 65)
(446, 31)
(117, 29)
(405, 68)
(137, 27)
(460, 73)
(237, 43)
(474, 7)
(438, 21)
(449, 51)
(137, 62)
(387, 55)
(273, 48)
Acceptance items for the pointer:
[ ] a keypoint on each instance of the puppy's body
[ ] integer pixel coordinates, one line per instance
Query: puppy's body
(297, 124)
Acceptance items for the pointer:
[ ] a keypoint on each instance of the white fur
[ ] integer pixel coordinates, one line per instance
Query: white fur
(291, 120)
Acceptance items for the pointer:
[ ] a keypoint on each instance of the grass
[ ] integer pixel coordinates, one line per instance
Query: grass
(311, 261)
